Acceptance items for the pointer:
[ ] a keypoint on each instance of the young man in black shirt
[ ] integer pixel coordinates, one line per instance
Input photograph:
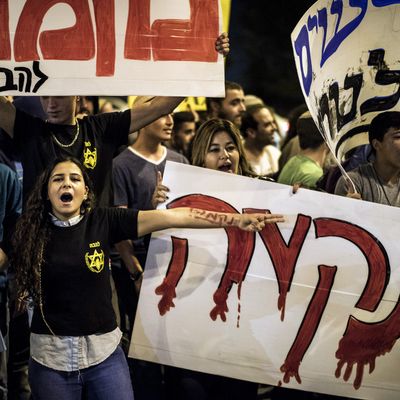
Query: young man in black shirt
(93, 140)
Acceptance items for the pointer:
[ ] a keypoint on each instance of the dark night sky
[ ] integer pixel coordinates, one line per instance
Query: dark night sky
(261, 57)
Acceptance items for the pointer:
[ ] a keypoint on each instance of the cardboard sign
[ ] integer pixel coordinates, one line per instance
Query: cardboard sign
(109, 47)
(348, 61)
(302, 304)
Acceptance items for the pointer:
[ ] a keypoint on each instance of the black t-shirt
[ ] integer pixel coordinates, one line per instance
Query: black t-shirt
(99, 137)
(76, 290)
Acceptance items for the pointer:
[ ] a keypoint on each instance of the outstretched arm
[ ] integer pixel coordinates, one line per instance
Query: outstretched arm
(156, 220)
(7, 115)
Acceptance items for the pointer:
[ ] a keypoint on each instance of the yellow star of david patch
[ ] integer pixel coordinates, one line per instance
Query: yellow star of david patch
(95, 261)
(90, 158)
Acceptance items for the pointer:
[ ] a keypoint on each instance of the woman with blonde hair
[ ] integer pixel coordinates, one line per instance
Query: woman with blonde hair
(218, 145)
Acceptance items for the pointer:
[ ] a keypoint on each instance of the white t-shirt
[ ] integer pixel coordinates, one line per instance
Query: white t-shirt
(267, 164)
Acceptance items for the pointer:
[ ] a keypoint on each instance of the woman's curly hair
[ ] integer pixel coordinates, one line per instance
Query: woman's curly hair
(32, 231)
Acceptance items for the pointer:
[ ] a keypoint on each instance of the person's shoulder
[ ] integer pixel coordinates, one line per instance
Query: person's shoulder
(97, 214)
(127, 156)
(273, 150)
(357, 175)
(126, 153)
(4, 169)
(294, 160)
(173, 155)
(362, 170)
(7, 173)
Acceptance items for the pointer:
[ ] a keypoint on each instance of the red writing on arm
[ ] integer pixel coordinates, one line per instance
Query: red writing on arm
(214, 217)
(310, 323)
(175, 270)
(172, 39)
(240, 250)
(283, 256)
(73, 43)
(363, 342)
(5, 44)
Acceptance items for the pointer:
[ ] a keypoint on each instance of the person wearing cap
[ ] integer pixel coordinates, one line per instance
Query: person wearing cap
(378, 180)
(306, 167)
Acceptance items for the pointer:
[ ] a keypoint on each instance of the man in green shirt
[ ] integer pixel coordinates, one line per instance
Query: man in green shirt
(306, 167)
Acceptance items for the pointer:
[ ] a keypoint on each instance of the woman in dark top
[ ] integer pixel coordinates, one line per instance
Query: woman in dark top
(61, 251)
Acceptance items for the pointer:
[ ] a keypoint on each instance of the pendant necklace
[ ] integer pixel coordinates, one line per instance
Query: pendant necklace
(73, 140)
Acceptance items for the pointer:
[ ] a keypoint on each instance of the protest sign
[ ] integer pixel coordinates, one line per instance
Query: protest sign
(301, 304)
(109, 47)
(348, 61)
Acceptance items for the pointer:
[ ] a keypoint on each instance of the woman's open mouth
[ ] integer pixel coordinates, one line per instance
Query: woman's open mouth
(66, 197)
(225, 167)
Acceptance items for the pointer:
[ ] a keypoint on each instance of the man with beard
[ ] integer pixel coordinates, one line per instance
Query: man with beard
(258, 129)
(231, 107)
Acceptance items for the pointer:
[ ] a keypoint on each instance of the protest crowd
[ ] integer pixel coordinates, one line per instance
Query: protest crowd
(122, 152)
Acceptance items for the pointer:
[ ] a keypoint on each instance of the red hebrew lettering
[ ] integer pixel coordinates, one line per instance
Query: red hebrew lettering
(374, 252)
(310, 323)
(362, 342)
(73, 43)
(138, 31)
(284, 256)
(172, 39)
(175, 40)
(175, 270)
(240, 249)
(5, 46)
(105, 33)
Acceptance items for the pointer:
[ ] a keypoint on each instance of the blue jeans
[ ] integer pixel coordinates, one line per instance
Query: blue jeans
(105, 381)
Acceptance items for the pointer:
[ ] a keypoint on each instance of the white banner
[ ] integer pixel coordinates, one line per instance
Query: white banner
(348, 61)
(110, 47)
(303, 304)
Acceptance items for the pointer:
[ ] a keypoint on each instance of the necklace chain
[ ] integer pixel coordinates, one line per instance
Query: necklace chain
(383, 187)
(73, 140)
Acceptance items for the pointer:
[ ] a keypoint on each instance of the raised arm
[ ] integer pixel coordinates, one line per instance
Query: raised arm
(150, 109)
(7, 116)
(156, 220)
